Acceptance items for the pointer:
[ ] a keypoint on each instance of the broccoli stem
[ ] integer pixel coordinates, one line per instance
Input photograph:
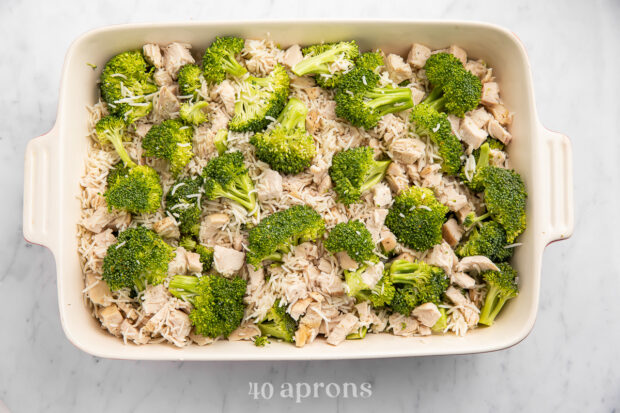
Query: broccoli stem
(389, 100)
(233, 67)
(184, 287)
(492, 305)
(435, 100)
(220, 141)
(317, 64)
(293, 115)
(116, 139)
(375, 175)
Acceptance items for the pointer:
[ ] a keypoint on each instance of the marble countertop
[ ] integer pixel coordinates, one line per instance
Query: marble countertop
(568, 363)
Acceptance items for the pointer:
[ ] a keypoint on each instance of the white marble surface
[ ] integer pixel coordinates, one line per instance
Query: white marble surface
(570, 362)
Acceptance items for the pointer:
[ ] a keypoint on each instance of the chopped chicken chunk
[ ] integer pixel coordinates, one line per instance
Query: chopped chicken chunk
(178, 265)
(162, 78)
(180, 325)
(129, 332)
(382, 196)
(167, 228)
(102, 218)
(480, 117)
(397, 68)
(373, 274)
(418, 55)
(498, 132)
(427, 314)
(458, 52)
(396, 178)
(155, 297)
(227, 260)
(340, 331)
(346, 262)
(102, 241)
(476, 263)
(405, 256)
(98, 291)
(417, 95)
(402, 325)
(490, 94)
(167, 102)
(270, 186)
(388, 240)
(299, 308)
(408, 150)
(200, 340)
(450, 197)
(471, 134)
(292, 56)
(442, 256)
(244, 332)
(455, 295)
(111, 318)
(176, 55)
(152, 54)
(497, 158)
(477, 67)
(211, 224)
(452, 232)
(226, 94)
(463, 280)
(309, 325)
(193, 263)
(501, 114)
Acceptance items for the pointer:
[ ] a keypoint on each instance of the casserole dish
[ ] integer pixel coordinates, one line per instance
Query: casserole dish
(53, 169)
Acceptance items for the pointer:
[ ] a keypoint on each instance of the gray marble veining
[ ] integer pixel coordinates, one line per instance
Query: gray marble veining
(570, 362)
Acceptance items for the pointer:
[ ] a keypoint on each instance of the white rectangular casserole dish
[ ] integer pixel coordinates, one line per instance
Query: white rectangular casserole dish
(54, 165)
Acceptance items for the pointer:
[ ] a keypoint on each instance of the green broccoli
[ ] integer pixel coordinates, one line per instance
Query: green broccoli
(126, 82)
(172, 141)
(138, 257)
(416, 217)
(327, 61)
(370, 60)
(183, 202)
(226, 176)
(217, 301)
(435, 125)
(287, 148)
(488, 240)
(418, 283)
(278, 324)
(220, 59)
(361, 101)
(131, 187)
(441, 324)
(354, 171)
(276, 234)
(481, 156)
(261, 341)
(380, 295)
(501, 287)
(455, 89)
(193, 112)
(359, 334)
(354, 238)
(220, 141)
(260, 101)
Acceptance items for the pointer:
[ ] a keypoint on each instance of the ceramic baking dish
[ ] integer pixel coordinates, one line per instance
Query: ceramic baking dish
(54, 164)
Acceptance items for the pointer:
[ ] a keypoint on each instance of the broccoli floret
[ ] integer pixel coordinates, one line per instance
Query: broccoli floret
(188, 242)
(354, 238)
(220, 141)
(221, 59)
(172, 141)
(287, 148)
(488, 240)
(131, 187)
(354, 171)
(278, 324)
(482, 160)
(183, 202)
(260, 101)
(435, 125)
(380, 295)
(370, 60)
(138, 191)
(282, 230)
(226, 176)
(327, 61)
(111, 130)
(217, 301)
(125, 82)
(194, 113)
(261, 341)
(416, 218)
(418, 282)
(361, 101)
(501, 287)
(190, 81)
(441, 324)
(455, 90)
(138, 257)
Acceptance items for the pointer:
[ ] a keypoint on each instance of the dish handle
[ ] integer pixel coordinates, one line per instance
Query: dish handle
(558, 158)
(40, 190)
